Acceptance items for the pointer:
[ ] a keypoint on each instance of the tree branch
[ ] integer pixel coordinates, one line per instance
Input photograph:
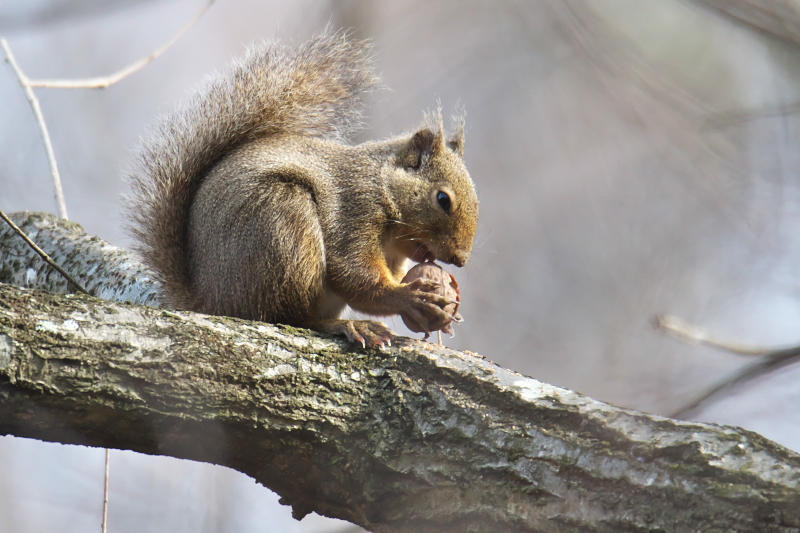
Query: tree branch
(415, 438)
(47, 259)
(37, 113)
(103, 82)
(769, 359)
(102, 269)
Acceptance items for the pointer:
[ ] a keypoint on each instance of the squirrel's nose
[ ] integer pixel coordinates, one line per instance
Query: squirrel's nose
(460, 258)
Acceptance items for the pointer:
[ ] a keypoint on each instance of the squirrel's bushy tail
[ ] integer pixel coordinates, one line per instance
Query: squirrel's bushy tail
(315, 89)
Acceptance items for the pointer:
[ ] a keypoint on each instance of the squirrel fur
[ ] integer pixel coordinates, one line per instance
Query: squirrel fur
(249, 202)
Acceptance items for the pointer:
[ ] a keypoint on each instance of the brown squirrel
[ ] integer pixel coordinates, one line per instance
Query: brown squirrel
(248, 202)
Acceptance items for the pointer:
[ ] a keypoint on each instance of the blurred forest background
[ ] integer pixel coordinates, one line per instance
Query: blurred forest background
(631, 158)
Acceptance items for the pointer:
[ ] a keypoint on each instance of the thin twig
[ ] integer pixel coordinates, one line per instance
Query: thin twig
(93, 83)
(689, 332)
(41, 252)
(730, 119)
(771, 362)
(103, 82)
(105, 497)
(37, 112)
(769, 359)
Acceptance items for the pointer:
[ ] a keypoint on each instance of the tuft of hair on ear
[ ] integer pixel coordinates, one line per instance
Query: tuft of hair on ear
(459, 124)
(434, 122)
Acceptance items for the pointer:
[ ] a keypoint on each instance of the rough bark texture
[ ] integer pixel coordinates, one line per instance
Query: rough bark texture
(416, 438)
(105, 270)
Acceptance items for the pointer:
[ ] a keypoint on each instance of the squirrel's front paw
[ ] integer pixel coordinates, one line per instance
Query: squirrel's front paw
(440, 289)
(367, 333)
(424, 309)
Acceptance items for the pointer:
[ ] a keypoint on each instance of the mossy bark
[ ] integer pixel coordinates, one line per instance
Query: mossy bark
(414, 438)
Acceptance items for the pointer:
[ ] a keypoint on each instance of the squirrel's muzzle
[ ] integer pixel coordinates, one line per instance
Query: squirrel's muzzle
(460, 258)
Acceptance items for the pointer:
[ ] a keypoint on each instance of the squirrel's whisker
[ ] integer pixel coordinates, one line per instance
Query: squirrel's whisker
(403, 223)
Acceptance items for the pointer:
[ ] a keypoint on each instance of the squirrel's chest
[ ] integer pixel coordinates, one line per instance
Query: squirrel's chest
(396, 260)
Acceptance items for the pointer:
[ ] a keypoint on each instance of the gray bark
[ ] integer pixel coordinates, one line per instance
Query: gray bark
(103, 269)
(414, 438)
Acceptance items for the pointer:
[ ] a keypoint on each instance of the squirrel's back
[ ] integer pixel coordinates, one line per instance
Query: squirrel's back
(315, 89)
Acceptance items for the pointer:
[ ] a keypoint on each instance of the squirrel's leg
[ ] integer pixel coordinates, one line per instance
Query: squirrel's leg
(366, 332)
(376, 289)
(268, 244)
(257, 254)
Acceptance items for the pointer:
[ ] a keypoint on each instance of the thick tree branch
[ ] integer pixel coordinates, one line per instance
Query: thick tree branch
(105, 270)
(415, 438)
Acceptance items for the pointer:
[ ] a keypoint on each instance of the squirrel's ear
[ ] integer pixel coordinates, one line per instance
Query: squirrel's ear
(422, 143)
(433, 121)
(457, 143)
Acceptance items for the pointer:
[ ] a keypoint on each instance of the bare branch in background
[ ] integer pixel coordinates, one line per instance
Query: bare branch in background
(104, 524)
(688, 332)
(770, 358)
(37, 112)
(93, 83)
(103, 82)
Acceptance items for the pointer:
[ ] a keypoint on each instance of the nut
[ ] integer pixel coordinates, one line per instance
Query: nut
(447, 287)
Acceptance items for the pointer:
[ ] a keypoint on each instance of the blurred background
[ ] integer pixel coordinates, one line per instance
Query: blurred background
(631, 158)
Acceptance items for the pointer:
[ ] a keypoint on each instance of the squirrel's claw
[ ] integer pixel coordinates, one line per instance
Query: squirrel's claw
(367, 333)
(353, 334)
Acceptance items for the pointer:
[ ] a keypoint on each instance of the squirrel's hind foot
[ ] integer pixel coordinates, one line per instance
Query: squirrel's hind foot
(367, 333)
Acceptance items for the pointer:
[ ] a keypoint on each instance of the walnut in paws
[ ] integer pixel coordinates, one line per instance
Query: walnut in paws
(446, 286)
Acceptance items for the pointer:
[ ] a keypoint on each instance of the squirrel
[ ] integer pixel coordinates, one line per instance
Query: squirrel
(249, 202)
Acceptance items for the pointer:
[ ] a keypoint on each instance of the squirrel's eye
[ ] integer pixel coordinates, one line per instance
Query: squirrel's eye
(444, 201)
